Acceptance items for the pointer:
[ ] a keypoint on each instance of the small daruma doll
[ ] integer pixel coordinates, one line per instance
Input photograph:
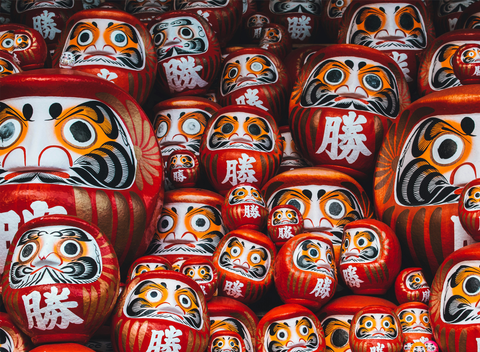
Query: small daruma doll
(376, 327)
(8, 66)
(244, 260)
(276, 39)
(188, 53)
(12, 339)
(147, 263)
(240, 144)
(290, 327)
(284, 222)
(161, 308)
(305, 271)
(245, 208)
(370, 257)
(202, 271)
(469, 208)
(61, 279)
(183, 169)
(454, 303)
(226, 341)
(411, 286)
(110, 44)
(415, 322)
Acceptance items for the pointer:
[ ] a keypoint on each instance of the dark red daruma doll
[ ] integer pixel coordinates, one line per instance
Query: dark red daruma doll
(469, 208)
(183, 169)
(346, 88)
(88, 152)
(332, 14)
(415, 322)
(284, 222)
(12, 338)
(26, 44)
(400, 29)
(61, 279)
(245, 208)
(226, 341)
(244, 260)
(254, 25)
(327, 200)
(290, 327)
(255, 77)
(421, 171)
(370, 258)
(276, 39)
(466, 63)
(447, 14)
(305, 271)
(375, 328)
(411, 286)
(146, 264)
(240, 144)
(8, 66)
(228, 314)
(190, 224)
(188, 53)
(454, 302)
(162, 310)
(205, 274)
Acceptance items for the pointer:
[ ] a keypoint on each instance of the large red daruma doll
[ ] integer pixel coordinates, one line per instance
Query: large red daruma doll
(240, 144)
(453, 305)
(426, 160)
(79, 145)
(111, 44)
(345, 99)
(61, 279)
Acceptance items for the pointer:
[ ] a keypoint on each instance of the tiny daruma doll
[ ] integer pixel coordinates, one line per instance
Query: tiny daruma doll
(411, 286)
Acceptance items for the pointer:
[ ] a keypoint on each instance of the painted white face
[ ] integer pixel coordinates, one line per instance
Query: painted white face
(297, 334)
(360, 245)
(55, 254)
(143, 268)
(415, 281)
(202, 273)
(12, 43)
(352, 83)
(179, 36)
(324, 208)
(246, 194)
(316, 256)
(165, 299)
(337, 331)
(438, 158)
(101, 41)
(415, 321)
(285, 216)
(461, 294)
(70, 141)
(240, 130)
(376, 326)
(226, 344)
(219, 323)
(247, 70)
(188, 229)
(245, 258)
(388, 26)
(282, 7)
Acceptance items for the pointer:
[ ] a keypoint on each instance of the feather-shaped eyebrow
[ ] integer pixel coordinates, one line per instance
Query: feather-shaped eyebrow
(364, 12)
(81, 26)
(225, 119)
(125, 28)
(461, 273)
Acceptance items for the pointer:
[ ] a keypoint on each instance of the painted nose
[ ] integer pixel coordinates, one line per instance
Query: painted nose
(352, 88)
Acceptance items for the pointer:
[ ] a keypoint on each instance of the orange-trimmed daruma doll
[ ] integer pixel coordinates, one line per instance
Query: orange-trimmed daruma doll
(370, 258)
(375, 327)
(77, 144)
(454, 303)
(411, 286)
(244, 260)
(327, 199)
(415, 322)
(110, 44)
(240, 144)
(468, 208)
(426, 160)
(290, 325)
(204, 273)
(284, 222)
(161, 308)
(305, 272)
(346, 88)
(12, 338)
(147, 263)
(61, 279)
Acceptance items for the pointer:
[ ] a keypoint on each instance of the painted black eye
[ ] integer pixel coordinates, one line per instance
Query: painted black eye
(254, 129)
(334, 76)
(85, 37)
(154, 295)
(119, 38)
(162, 129)
(165, 223)
(7, 43)
(28, 251)
(373, 23)
(79, 133)
(227, 128)
(361, 242)
(373, 82)
(297, 204)
(232, 73)
(339, 338)
(471, 285)
(185, 33)
(185, 301)
(10, 131)
(447, 149)
(70, 248)
(406, 21)
(282, 334)
(200, 223)
(312, 252)
(159, 38)
(335, 209)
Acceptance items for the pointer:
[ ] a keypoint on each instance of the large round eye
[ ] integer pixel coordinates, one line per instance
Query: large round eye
(162, 129)
(346, 243)
(361, 242)
(372, 82)
(254, 129)
(219, 343)
(297, 204)
(256, 67)
(185, 33)
(235, 251)
(425, 319)
(28, 251)
(158, 39)
(227, 128)
(185, 301)
(329, 258)
(85, 37)
(191, 126)
(369, 324)
(335, 209)
(79, 133)
(255, 258)
(340, 3)
(282, 334)
(313, 253)
(386, 324)
(154, 295)
(339, 338)
(232, 343)
(119, 38)
(409, 318)
(203, 272)
(10, 130)
(447, 149)
(8, 43)
(471, 286)
(304, 330)
(70, 248)
(373, 23)
(406, 21)
(334, 76)
(200, 223)
(165, 223)
(233, 72)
